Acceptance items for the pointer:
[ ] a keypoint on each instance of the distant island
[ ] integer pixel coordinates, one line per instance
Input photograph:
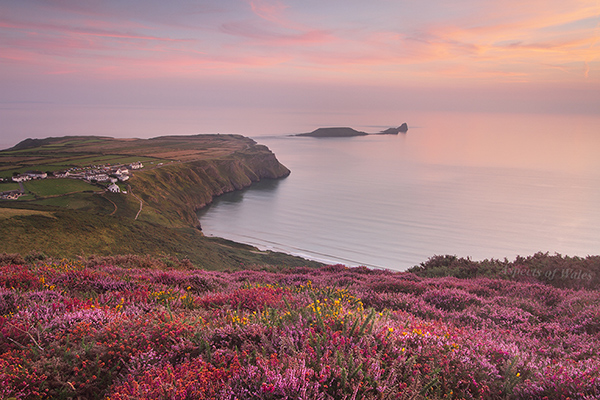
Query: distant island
(350, 132)
(394, 131)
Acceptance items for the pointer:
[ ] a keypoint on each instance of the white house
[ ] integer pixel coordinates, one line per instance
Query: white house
(21, 178)
(62, 174)
(114, 188)
(36, 174)
(98, 177)
(122, 171)
(136, 165)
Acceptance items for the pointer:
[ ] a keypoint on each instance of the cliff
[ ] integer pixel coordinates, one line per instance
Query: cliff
(173, 193)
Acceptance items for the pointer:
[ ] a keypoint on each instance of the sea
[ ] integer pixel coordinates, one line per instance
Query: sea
(476, 185)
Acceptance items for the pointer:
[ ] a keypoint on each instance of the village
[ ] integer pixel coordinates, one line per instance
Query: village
(102, 174)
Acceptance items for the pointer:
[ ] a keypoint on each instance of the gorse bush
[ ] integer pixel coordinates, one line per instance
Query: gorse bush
(97, 329)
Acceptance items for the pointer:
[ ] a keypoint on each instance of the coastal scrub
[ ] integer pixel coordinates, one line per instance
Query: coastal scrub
(71, 329)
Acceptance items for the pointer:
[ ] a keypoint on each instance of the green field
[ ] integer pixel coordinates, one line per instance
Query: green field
(57, 187)
(7, 186)
(76, 201)
(113, 159)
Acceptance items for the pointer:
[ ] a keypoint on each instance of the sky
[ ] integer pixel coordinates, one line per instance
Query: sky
(139, 68)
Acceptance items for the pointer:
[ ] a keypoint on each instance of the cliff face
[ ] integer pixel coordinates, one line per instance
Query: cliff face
(172, 194)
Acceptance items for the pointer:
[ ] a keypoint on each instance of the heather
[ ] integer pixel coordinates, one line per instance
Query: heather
(125, 328)
(552, 269)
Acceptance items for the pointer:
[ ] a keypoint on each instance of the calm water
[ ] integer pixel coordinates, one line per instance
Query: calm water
(483, 186)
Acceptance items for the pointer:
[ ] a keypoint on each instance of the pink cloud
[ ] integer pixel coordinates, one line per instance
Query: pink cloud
(269, 10)
(67, 30)
(507, 41)
(250, 30)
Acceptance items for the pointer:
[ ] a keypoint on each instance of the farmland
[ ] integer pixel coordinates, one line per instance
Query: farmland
(57, 187)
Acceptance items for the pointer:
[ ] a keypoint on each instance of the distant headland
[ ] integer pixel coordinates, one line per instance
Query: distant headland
(350, 132)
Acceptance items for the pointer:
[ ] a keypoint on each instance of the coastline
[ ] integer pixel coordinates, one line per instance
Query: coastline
(188, 173)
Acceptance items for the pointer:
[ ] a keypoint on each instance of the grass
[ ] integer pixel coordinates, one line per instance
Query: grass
(57, 187)
(15, 212)
(91, 230)
(89, 202)
(7, 186)
(114, 159)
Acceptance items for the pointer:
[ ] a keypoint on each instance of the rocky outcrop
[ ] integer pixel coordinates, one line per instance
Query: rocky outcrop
(394, 131)
(334, 132)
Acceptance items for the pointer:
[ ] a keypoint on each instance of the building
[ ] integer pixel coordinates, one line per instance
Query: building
(122, 171)
(98, 177)
(62, 174)
(11, 195)
(36, 174)
(21, 178)
(136, 165)
(114, 188)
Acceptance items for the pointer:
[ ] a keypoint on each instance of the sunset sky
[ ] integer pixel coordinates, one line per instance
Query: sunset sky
(305, 56)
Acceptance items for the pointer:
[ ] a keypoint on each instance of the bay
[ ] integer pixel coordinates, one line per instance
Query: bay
(471, 185)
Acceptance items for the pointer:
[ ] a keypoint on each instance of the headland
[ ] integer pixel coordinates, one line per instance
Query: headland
(81, 195)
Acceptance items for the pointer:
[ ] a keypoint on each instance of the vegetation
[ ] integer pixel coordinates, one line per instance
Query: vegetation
(6, 186)
(142, 328)
(68, 218)
(57, 187)
(71, 233)
(556, 270)
(14, 212)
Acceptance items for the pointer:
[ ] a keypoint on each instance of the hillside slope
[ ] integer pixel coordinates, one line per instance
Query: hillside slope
(181, 175)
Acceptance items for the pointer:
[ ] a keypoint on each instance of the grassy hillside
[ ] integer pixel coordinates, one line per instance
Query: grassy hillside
(67, 218)
(57, 232)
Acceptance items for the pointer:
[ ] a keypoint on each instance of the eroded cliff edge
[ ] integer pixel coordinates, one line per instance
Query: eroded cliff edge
(173, 193)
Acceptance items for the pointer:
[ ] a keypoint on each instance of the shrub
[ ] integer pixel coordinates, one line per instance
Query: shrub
(450, 299)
